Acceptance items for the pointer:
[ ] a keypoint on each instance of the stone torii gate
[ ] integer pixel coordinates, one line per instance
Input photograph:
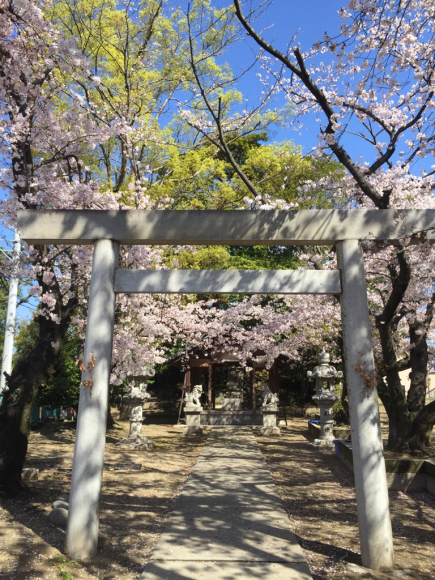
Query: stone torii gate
(107, 229)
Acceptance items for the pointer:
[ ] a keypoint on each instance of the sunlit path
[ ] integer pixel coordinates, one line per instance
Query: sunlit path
(229, 521)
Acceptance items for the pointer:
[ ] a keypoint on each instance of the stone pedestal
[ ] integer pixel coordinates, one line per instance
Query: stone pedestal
(193, 420)
(135, 439)
(232, 405)
(270, 414)
(326, 421)
(136, 397)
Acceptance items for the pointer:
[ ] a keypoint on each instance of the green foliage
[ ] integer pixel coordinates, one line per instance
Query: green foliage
(338, 411)
(263, 258)
(167, 383)
(62, 563)
(235, 258)
(25, 338)
(63, 386)
(203, 178)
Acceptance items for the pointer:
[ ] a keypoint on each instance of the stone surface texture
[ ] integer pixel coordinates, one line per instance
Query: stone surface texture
(192, 410)
(194, 397)
(269, 398)
(59, 517)
(232, 404)
(86, 477)
(221, 418)
(325, 376)
(193, 431)
(368, 455)
(269, 411)
(59, 503)
(135, 396)
(229, 521)
(30, 474)
(274, 227)
(228, 281)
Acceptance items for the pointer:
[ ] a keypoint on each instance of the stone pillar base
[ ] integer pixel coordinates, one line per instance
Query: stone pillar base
(270, 431)
(138, 443)
(193, 431)
(324, 443)
(270, 414)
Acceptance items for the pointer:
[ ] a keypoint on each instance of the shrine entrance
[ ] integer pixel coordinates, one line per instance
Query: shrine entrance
(231, 394)
(107, 229)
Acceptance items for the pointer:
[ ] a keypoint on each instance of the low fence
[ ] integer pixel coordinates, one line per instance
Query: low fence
(402, 474)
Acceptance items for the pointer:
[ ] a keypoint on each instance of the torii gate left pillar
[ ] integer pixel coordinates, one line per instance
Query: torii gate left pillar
(86, 478)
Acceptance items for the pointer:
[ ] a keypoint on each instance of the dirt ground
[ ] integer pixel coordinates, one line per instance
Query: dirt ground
(134, 506)
(319, 496)
(315, 487)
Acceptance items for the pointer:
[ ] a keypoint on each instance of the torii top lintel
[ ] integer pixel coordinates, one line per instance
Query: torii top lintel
(214, 227)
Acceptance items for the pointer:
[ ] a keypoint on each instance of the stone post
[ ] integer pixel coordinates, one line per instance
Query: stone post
(84, 504)
(270, 426)
(193, 420)
(8, 344)
(326, 398)
(368, 457)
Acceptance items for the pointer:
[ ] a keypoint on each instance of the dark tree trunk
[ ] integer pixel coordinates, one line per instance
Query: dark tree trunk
(394, 396)
(16, 408)
(345, 402)
(419, 359)
(386, 324)
(423, 415)
(110, 420)
(422, 429)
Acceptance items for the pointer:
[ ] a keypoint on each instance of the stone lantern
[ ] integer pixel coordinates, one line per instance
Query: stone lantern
(325, 376)
(136, 396)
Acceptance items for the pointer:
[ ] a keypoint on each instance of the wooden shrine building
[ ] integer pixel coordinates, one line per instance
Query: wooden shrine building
(230, 394)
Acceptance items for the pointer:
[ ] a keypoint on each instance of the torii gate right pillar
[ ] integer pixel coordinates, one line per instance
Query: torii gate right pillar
(376, 541)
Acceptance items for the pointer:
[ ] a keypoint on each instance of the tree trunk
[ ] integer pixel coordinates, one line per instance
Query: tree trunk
(423, 415)
(16, 409)
(394, 397)
(422, 429)
(110, 420)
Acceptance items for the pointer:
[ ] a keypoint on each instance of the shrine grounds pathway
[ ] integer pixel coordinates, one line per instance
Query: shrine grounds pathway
(229, 521)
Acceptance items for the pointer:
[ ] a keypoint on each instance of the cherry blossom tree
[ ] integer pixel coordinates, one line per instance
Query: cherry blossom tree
(55, 112)
(374, 81)
(79, 130)
(371, 83)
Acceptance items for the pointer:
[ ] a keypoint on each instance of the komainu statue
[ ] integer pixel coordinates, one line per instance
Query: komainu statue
(269, 398)
(193, 397)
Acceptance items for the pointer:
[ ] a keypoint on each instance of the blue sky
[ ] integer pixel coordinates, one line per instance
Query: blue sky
(280, 22)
